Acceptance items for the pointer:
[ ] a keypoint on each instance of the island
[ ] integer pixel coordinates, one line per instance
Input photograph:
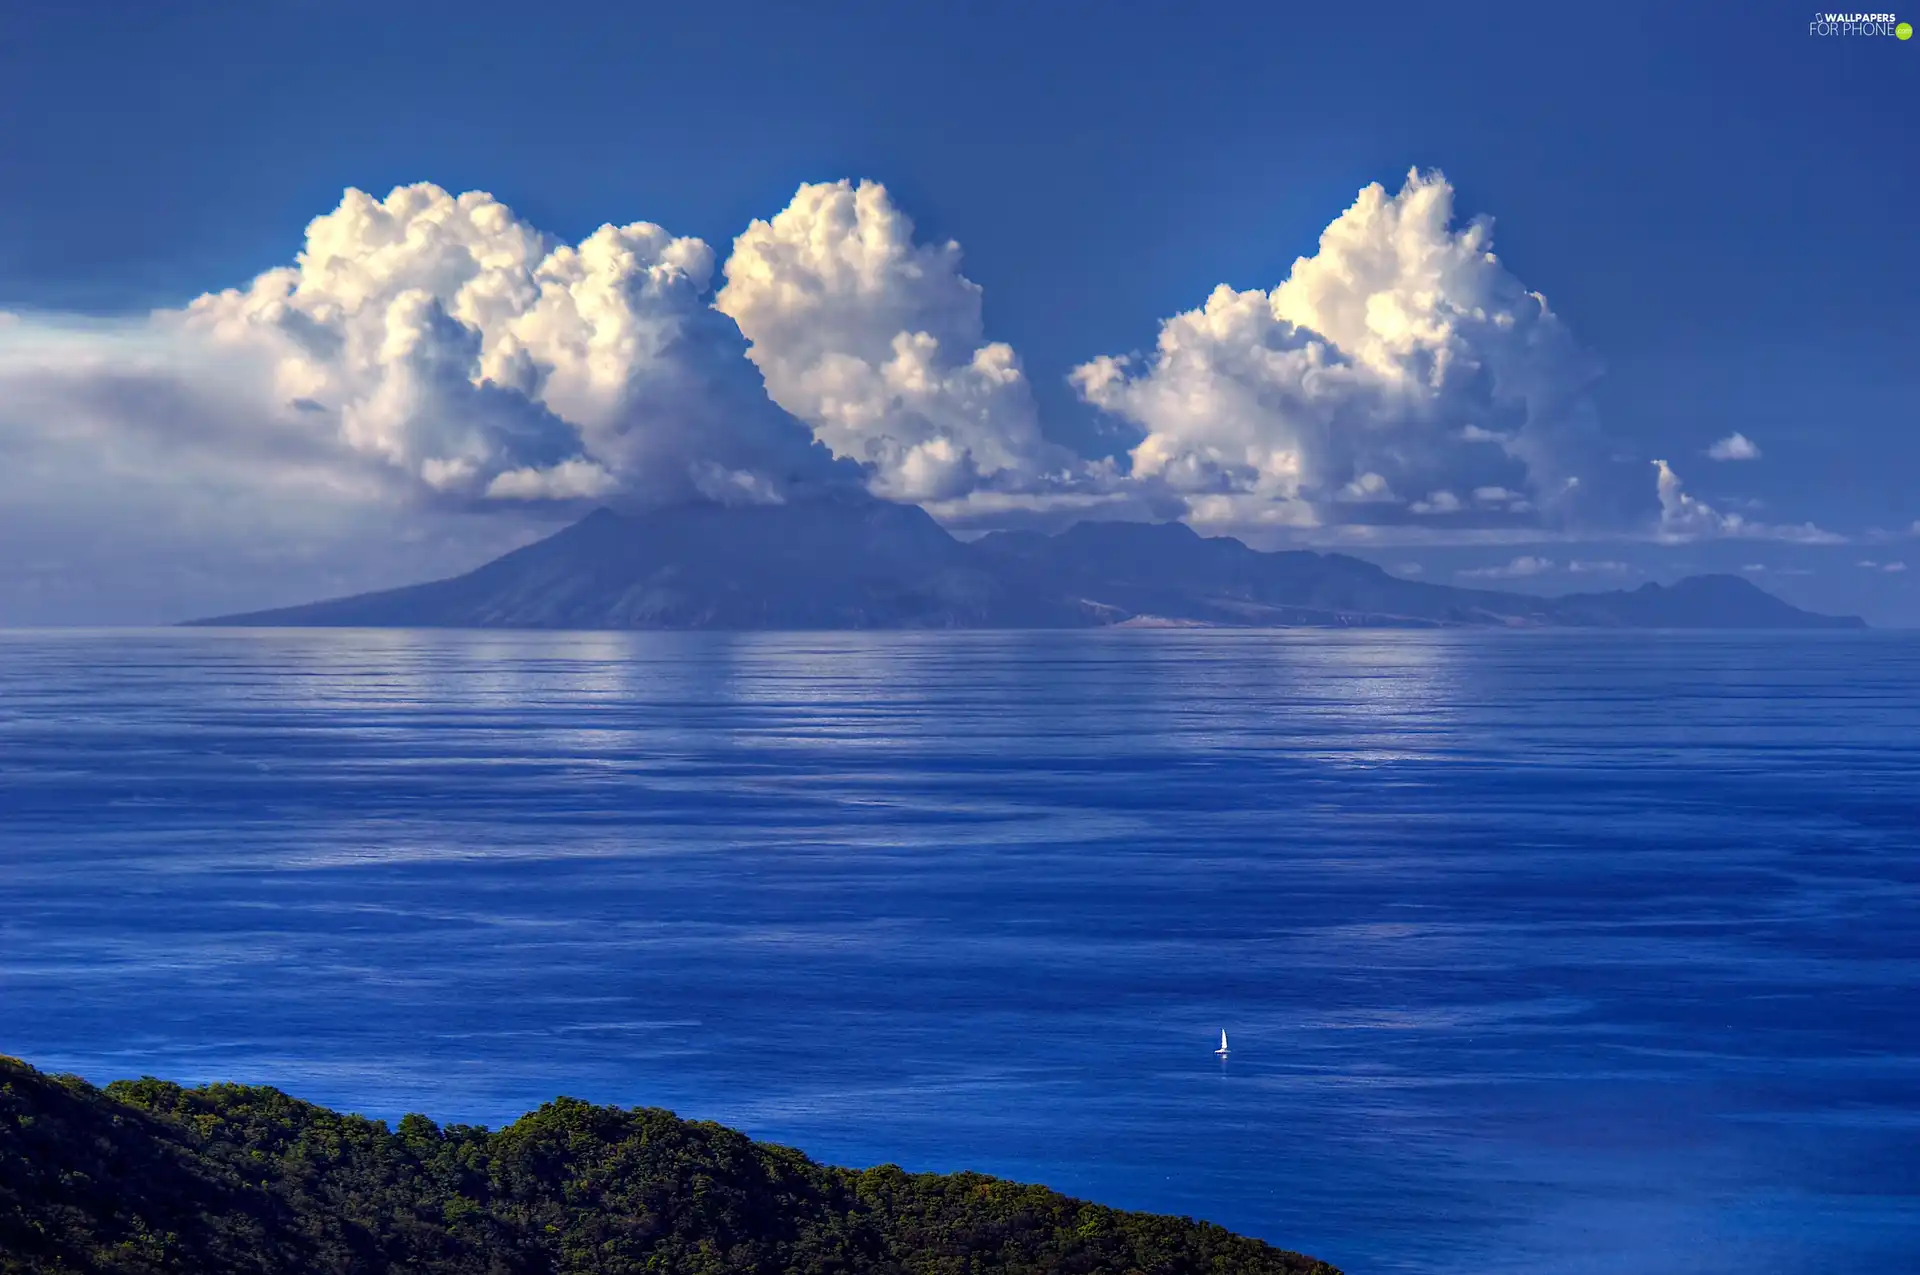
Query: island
(146, 1176)
(855, 563)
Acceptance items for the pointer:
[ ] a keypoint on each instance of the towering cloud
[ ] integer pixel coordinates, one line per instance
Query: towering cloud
(447, 338)
(1398, 366)
(877, 343)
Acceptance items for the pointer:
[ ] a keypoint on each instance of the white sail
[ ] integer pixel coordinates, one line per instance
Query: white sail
(1223, 1042)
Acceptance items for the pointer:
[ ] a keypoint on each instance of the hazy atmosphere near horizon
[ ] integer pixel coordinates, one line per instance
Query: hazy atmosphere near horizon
(1292, 630)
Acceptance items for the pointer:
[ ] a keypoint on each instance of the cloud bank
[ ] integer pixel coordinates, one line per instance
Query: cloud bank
(432, 371)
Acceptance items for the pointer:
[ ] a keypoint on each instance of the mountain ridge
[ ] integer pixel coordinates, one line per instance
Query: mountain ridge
(871, 564)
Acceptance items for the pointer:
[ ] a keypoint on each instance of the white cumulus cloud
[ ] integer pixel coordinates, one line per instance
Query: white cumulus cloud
(1368, 487)
(446, 337)
(1735, 446)
(1684, 516)
(877, 343)
(1395, 355)
(1438, 502)
(443, 342)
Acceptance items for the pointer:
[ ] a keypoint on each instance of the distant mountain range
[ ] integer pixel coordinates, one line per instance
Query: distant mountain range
(868, 564)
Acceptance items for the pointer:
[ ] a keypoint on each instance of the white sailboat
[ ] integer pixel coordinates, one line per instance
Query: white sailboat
(1222, 1051)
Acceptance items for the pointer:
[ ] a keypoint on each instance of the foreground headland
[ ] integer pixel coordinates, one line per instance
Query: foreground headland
(146, 1176)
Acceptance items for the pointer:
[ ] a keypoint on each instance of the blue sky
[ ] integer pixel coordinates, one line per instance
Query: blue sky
(1716, 206)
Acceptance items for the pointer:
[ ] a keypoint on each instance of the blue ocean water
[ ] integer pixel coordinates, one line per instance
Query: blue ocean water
(1540, 952)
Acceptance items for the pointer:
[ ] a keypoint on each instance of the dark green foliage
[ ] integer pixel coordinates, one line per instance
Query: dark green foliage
(146, 1176)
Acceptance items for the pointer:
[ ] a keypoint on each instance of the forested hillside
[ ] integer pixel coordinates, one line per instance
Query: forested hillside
(145, 1176)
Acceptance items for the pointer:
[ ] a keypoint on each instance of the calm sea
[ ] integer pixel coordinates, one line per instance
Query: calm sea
(1539, 952)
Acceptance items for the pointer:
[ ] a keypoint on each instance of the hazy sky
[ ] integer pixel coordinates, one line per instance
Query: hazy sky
(1482, 270)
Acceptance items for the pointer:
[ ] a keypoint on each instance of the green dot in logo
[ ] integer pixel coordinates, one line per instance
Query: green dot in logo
(1904, 31)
